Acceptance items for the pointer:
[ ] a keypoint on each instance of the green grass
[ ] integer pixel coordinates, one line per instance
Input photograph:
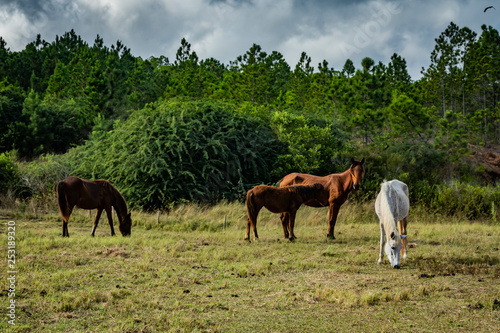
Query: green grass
(191, 272)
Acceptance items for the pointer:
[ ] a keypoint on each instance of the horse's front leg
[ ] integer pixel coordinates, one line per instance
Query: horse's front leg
(110, 220)
(382, 242)
(96, 220)
(284, 222)
(333, 212)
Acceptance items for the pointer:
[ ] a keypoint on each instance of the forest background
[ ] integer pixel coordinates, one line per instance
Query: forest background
(198, 130)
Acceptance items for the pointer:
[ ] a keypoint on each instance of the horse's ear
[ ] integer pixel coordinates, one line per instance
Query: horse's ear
(352, 160)
(362, 160)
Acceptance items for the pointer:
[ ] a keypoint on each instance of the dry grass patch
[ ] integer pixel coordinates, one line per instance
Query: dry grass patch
(170, 277)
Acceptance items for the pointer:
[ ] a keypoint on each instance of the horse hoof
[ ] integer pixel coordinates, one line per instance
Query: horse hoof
(379, 262)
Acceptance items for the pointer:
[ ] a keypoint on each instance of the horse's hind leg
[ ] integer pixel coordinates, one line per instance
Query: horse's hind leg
(254, 226)
(96, 220)
(109, 213)
(402, 231)
(65, 217)
(65, 232)
(251, 221)
(247, 233)
(284, 222)
(291, 225)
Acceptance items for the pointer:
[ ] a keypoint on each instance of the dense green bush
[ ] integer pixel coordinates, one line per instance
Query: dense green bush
(9, 173)
(464, 199)
(310, 148)
(417, 164)
(174, 151)
(38, 178)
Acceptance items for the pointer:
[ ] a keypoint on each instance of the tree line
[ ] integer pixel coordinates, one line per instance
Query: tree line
(67, 93)
(92, 85)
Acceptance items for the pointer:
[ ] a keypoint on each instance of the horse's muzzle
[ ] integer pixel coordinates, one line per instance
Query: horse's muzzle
(356, 187)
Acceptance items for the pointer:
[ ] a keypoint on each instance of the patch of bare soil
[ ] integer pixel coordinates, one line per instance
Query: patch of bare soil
(489, 158)
(115, 252)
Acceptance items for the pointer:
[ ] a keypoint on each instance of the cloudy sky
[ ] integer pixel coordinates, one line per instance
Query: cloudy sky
(224, 29)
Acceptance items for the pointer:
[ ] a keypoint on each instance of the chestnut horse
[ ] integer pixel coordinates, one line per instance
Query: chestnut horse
(98, 194)
(336, 188)
(278, 200)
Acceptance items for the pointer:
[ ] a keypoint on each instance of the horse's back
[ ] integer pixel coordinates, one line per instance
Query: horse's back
(275, 199)
(69, 186)
(71, 181)
(83, 193)
(302, 179)
(403, 196)
(400, 187)
(306, 179)
(398, 194)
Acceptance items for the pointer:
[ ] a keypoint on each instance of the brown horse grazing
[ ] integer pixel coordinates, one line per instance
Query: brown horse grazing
(278, 200)
(336, 188)
(98, 194)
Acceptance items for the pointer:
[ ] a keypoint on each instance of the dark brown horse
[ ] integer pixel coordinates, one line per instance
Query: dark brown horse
(278, 200)
(98, 194)
(336, 188)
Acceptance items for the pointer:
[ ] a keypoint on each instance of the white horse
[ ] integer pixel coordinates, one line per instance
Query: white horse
(392, 207)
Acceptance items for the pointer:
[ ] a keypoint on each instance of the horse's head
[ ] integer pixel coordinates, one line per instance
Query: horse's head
(393, 248)
(357, 172)
(318, 186)
(125, 225)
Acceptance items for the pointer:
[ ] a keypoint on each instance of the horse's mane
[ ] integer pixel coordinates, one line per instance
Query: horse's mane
(386, 207)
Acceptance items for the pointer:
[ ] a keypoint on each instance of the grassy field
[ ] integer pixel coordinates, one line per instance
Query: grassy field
(191, 272)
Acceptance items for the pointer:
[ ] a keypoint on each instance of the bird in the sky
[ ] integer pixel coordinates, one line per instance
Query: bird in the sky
(488, 8)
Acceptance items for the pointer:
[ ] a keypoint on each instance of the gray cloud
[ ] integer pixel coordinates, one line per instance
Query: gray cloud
(225, 29)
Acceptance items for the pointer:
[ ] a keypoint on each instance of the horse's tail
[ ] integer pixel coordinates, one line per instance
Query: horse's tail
(61, 199)
(250, 202)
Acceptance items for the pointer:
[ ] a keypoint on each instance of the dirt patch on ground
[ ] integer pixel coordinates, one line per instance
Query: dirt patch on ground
(489, 158)
(115, 252)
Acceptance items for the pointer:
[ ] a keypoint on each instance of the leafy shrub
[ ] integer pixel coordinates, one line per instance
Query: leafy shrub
(416, 164)
(39, 177)
(471, 201)
(310, 147)
(9, 172)
(174, 151)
